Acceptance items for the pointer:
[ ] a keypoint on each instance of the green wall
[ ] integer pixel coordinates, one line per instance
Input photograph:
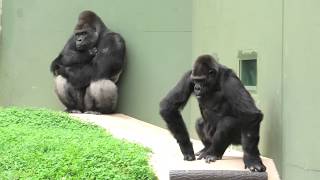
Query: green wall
(157, 34)
(301, 87)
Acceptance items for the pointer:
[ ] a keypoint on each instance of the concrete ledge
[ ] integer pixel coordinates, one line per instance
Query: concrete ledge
(166, 157)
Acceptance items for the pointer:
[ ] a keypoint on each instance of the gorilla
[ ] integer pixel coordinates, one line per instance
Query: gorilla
(88, 68)
(229, 114)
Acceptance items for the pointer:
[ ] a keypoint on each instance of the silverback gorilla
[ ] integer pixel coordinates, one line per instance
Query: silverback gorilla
(88, 68)
(229, 114)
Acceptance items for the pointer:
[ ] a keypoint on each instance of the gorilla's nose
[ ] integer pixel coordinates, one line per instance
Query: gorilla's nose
(197, 88)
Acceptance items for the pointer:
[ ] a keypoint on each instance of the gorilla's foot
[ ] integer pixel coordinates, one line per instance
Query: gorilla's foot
(73, 111)
(254, 164)
(93, 112)
(201, 151)
(209, 156)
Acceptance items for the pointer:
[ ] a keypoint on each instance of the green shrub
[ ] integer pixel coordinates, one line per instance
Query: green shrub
(44, 144)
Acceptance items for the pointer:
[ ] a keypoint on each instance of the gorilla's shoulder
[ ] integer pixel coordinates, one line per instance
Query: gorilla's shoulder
(226, 70)
(188, 73)
(226, 73)
(112, 34)
(113, 39)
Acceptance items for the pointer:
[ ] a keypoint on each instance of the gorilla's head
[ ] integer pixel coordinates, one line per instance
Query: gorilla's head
(204, 74)
(87, 30)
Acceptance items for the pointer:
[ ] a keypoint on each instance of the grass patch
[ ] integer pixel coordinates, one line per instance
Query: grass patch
(44, 144)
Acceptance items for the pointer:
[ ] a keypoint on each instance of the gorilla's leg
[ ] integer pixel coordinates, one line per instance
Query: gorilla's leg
(221, 139)
(200, 128)
(249, 140)
(101, 97)
(69, 96)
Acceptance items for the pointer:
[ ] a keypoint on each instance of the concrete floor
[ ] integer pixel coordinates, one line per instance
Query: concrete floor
(166, 154)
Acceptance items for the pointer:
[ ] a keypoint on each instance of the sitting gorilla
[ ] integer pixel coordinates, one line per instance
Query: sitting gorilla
(229, 114)
(89, 66)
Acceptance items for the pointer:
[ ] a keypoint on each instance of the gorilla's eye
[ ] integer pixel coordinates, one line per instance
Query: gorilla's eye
(212, 71)
(81, 33)
(202, 82)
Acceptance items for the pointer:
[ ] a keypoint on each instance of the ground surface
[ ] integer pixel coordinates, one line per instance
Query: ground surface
(42, 144)
(166, 154)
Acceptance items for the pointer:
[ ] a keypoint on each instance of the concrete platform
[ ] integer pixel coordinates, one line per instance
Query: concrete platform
(167, 158)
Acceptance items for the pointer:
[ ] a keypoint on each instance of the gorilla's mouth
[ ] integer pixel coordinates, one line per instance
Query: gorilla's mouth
(198, 94)
(81, 47)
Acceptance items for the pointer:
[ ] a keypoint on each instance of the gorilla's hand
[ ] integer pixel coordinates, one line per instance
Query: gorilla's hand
(189, 157)
(187, 151)
(55, 65)
(56, 68)
(62, 70)
(93, 51)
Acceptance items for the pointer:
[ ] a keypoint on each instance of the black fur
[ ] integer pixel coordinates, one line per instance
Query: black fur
(92, 54)
(229, 114)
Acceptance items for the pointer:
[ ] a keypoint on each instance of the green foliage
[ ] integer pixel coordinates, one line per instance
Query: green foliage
(43, 144)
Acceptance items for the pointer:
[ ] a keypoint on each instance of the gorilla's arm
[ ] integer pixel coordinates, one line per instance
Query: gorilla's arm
(110, 59)
(237, 96)
(63, 57)
(55, 65)
(244, 107)
(170, 108)
(78, 75)
(108, 62)
(71, 57)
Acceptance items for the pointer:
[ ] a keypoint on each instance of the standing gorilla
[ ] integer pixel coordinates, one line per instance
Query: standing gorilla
(89, 66)
(229, 114)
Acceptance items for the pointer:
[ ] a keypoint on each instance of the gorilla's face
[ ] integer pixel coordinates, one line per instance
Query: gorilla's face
(204, 75)
(85, 38)
(203, 83)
